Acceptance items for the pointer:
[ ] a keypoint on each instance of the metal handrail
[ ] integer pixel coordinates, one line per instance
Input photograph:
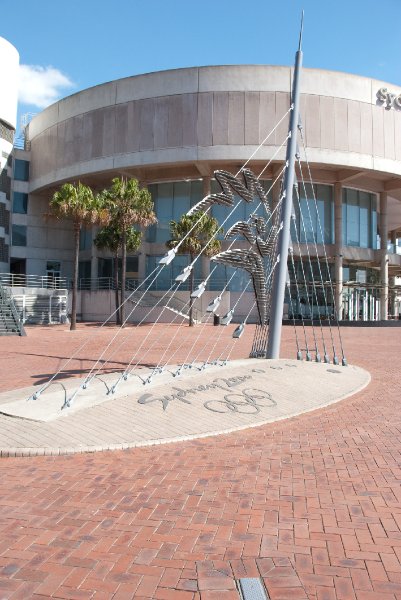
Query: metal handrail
(105, 283)
(36, 281)
(132, 283)
(7, 296)
(94, 284)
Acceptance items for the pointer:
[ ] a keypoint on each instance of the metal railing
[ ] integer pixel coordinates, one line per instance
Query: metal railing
(39, 309)
(98, 283)
(169, 302)
(7, 299)
(34, 281)
(107, 283)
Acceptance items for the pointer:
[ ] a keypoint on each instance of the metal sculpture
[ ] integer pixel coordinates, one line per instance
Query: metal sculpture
(253, 260)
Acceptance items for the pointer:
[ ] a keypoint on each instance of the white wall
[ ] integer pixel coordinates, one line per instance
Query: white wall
(9, 69)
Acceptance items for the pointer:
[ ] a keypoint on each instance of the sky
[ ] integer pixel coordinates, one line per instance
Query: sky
(69, 45)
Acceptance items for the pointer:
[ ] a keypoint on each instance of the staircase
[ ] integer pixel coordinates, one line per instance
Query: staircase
(169, 302)
(10, 323)
(42, 307)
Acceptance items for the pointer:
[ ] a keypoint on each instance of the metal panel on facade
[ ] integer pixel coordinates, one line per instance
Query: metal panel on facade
(354, 126)
(160, 123)
(236, 118)
(252, 101)
(267, 117)
(189, 119)
(220, 118)
(205, 119)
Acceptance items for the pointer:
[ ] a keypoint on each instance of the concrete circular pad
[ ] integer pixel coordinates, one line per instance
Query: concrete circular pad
(197, 403)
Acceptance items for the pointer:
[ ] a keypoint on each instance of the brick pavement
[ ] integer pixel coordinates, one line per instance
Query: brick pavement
(312, 505)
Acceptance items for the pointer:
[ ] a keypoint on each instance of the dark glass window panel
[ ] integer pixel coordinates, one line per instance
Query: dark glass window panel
(85, 239)
(21, 170)
(132, 264)
(84, 269)
(19, 235)
(353, 238)
(20, 203)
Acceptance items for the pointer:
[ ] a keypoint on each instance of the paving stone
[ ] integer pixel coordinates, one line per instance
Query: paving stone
(316, 498)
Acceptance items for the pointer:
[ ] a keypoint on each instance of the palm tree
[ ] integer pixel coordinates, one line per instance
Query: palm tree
(109, 238)
(194, 233)
(129, 205)
(77, 202)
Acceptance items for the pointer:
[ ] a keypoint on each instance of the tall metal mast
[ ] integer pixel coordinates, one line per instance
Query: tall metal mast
(280, 275)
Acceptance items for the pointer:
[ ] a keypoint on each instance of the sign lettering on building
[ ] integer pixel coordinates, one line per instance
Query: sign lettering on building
(391, 99)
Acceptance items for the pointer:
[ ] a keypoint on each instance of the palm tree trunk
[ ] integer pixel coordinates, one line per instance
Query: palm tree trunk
(191, 300)
(117, 295)
(77, 228)
(123, 274)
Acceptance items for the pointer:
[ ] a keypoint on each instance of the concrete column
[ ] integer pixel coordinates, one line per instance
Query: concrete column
(94, 258)
(94, 264)
(392, 281)
(393, 297)
(338, 242)
(383, 230)
(143, 249)
(205, 261)
(206, 186)
(142, 264)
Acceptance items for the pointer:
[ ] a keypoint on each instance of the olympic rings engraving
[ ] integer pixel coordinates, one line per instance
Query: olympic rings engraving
(248, 402)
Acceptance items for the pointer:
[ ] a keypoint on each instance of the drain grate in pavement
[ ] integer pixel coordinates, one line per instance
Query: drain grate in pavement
(251, 588)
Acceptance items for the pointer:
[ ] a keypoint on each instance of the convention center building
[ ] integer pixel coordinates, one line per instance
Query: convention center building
(171, 130)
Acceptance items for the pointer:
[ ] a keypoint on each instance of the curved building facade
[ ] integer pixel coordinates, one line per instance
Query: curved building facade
(173, 129)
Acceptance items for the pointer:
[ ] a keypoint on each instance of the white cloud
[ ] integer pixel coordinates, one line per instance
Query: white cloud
(41, 86)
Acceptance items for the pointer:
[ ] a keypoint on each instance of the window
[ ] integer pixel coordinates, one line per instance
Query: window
(85, 239)
(19, 235)
(4, 217)
(314, 219)
(224, 276)
(21, 170)
(132, 266)
(53, 267)
(359, 215)
(359, 274)
(20, 203)
(171, 201)
(105, 267)
(84, 269)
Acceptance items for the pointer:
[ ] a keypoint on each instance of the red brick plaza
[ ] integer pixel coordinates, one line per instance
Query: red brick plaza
(312, 504)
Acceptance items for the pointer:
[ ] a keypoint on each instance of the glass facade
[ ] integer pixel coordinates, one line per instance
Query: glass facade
(20, 203)
(241, 210)
(314, 220)
(171, 201)
(170, 272)
(310, 299)
(359, 219)
(226, 277)
(106, 267)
